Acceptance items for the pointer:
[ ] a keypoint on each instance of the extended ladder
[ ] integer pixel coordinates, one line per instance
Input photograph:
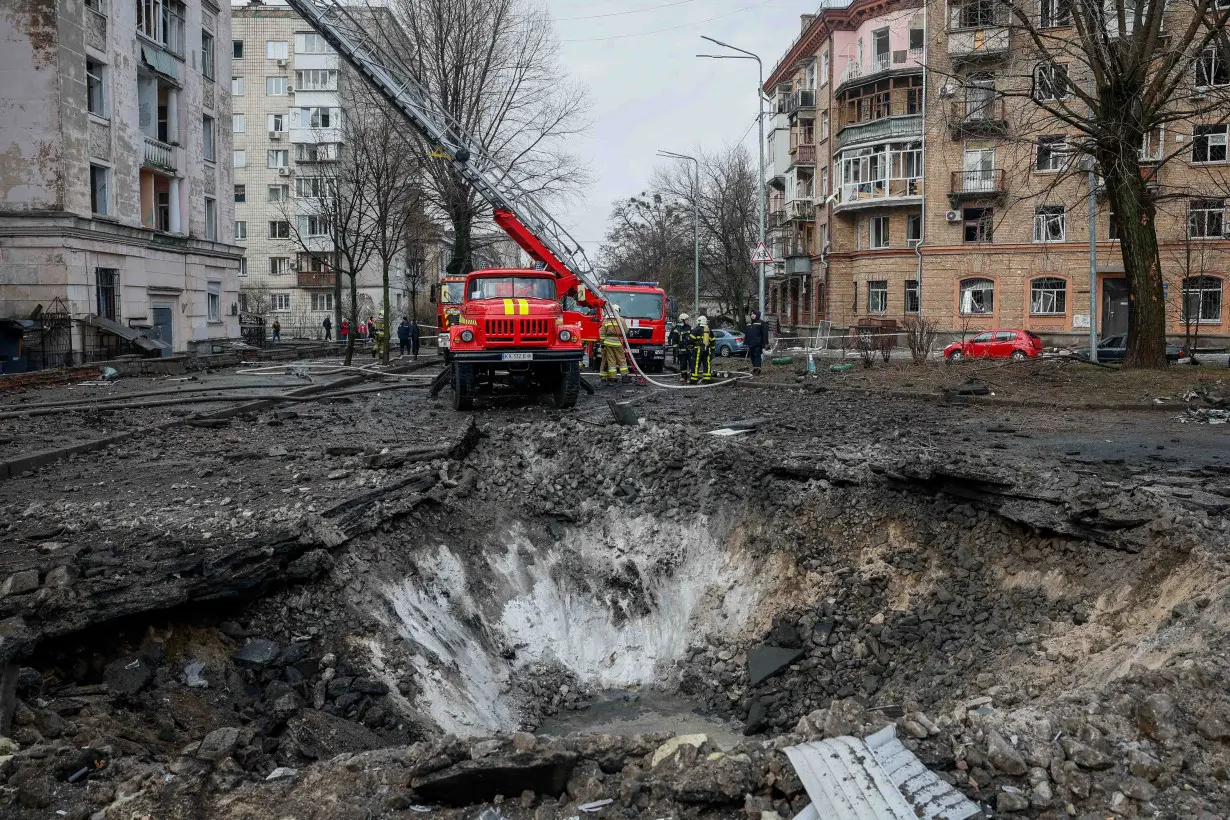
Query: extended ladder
(345, 26)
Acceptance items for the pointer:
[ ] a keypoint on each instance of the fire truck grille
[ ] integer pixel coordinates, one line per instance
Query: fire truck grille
(640, 333)
(513, 331)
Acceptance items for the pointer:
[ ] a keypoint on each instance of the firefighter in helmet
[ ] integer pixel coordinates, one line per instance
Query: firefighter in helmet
(614, 357)
(683, 347)
(702, 351)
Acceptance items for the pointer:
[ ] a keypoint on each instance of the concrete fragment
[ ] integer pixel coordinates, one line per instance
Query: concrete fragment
(1138, 789)
(1011, 799)
(1084, 756)
(61, 576)
(194, 676)
(19, 583)
(1212, 727)
(1003, 756)
(257, 654)
(484, 748)
(1159, 717)
(669, 747)
(128, 674)
(765, 661)
(218, 744)
(282, 773)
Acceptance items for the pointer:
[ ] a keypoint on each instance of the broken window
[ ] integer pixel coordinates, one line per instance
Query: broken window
(1209, 143)
(977, 297)
(1206, 218)
(213, 299)
(1052, 153)
(1202, 299)
(95, 88)
(877, 296)
(978, 224)
(1048, 295)
(1051, 82)
(911, 296)
(1050, 223)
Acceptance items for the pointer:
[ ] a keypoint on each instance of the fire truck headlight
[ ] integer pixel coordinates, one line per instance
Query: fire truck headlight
(466, 335)
(565, 335)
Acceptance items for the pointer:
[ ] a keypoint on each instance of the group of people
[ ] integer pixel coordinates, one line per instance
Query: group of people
(694, 346)
(408, 333)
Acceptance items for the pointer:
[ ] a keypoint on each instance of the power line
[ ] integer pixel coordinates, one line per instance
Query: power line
(671, 28)
(630, 11)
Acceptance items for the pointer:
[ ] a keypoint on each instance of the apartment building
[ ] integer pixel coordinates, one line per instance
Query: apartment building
(115, 183)
(940, 188)
(288, 135)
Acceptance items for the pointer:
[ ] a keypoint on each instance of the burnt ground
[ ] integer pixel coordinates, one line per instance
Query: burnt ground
(1036, 596)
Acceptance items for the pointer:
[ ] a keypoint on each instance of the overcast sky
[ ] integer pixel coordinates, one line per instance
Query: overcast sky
(649, 91)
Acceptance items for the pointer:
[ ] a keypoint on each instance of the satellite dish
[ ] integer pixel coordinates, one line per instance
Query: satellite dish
(947, 91)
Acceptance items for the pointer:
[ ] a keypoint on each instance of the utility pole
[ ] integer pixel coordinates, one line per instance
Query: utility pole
(747, 55)
(695, 216)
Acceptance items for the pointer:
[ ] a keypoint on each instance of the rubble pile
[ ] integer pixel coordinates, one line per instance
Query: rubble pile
(1047, 640)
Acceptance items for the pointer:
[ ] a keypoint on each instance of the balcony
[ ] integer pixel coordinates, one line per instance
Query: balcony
(775, 219)
(801, 210)
(802, 100)
(878, 193)
(977, 29)
(794, 247)
(159, 155)
(804, 155)
(977, 118)
(315, 279)
(878, 64)
(886, 128)
(798, 266)
(980, 184)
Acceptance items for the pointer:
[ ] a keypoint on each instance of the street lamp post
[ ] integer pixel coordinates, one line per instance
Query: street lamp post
(695, 215)
(747, 55)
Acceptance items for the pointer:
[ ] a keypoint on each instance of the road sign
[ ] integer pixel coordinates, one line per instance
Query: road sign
(761, 254)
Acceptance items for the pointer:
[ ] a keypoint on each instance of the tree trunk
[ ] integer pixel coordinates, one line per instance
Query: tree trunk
(388, 314)
(1136, 215)
(462, 260)
(354, 317)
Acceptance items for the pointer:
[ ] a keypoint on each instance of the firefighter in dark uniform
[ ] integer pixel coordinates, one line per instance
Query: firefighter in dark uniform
(683, 347)
(702, 351)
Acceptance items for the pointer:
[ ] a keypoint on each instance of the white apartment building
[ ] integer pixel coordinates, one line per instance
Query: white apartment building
(115, 172)
(286, 123)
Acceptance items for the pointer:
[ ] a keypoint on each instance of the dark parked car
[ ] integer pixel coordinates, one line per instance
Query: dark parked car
(1017, 345)
(1114, 349)
(729, 343)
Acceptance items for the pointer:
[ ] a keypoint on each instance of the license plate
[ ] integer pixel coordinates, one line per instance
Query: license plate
(517, 357)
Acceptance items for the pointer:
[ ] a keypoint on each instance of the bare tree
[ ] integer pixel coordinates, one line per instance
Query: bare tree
(492, 66)
(331, 218)
(1110, 76)
(651, 239)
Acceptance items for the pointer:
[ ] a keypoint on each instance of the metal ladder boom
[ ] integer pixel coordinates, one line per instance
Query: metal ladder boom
(517, 211)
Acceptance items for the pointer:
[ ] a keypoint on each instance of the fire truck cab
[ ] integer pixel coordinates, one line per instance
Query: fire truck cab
(642, 306)
(510, 328)
(447, 296)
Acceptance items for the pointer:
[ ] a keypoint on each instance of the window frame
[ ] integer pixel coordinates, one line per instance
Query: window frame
(240, 230)
(1206, 289)
(1059, 74)
(269, 157)
(968, 285)
(107, 293)
(912, 297)
(237, 85)
(279, 303)
(276, 118)
(241, 193)
(1056, 152)
(983, 225)
(885, 238)
(1045, 218)
(279, 265)
(211, 219)
(273, 79)
(327, 298)
(236, 49)
(213, 302)
(1048, 288)
(279, 229)
(1211, 132)
(1209, 214)
(1208, 65)
(270, 50)
(1060, 13)
(239, 158)
(99, 79)
(241, 120)
(209, 56)
(209, 138)
(877, 293)
(283, 193)
(913, 224)
(100, 190)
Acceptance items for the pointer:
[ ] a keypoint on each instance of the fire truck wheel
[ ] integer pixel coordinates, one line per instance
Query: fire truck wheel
(569, 384)
(464, 386)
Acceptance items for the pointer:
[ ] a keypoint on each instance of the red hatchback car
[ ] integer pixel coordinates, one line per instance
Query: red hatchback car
(996, 344)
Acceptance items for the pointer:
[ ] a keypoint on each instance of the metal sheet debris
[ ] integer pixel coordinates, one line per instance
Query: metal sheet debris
(873, 779)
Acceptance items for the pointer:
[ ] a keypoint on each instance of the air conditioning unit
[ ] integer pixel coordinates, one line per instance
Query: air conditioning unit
(283, 172)
(290, 89)
(281, 63)
(275, 135)
(952, 216)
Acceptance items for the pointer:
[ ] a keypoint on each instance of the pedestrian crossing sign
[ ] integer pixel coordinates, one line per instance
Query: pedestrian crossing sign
(761, 254)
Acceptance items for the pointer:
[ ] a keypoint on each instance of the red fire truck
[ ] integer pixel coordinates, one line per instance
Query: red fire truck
(642, 306)
(447, 298)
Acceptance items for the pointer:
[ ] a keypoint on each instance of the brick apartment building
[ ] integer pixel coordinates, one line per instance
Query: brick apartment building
(900, 181)
(115, 175)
